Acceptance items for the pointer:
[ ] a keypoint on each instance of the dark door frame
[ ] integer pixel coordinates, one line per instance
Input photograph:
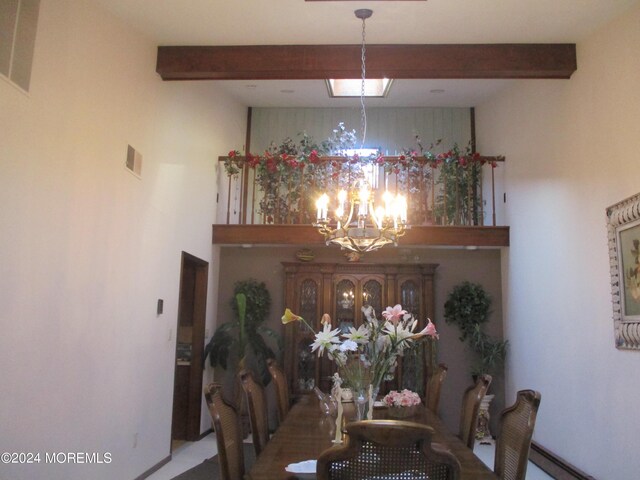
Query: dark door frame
(192, 265)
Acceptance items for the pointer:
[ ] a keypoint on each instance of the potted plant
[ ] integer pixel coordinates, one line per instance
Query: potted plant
(242, 340)
(468, 307)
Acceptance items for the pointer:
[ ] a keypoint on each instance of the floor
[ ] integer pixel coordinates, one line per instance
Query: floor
(191, 454)
(186, 456)
(486, 454)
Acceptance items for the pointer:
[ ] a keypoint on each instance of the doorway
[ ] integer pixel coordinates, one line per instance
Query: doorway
(187, 390)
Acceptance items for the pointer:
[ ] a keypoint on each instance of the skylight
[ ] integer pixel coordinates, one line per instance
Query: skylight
(373, 87)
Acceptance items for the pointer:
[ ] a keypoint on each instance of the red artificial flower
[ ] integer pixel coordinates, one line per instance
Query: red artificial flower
(462, 161)
(232, 154)
(313, 157)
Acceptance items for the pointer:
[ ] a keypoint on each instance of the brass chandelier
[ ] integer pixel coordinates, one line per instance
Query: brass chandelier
(357, 224)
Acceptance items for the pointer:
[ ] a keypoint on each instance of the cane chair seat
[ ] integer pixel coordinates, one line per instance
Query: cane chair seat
(387, 449)
(471, 408)
(514, 436)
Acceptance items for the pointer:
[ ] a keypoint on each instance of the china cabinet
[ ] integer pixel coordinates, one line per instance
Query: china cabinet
(341, 290)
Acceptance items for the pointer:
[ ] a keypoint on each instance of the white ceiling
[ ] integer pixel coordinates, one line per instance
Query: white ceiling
(297, 22)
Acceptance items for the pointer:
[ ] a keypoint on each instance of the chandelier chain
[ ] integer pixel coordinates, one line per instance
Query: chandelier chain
(363, 112)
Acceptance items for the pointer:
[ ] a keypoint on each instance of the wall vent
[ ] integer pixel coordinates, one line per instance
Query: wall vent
(134, 161)
(18, 25)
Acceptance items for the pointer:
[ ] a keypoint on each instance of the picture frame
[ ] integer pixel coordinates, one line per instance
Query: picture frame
(623, 232)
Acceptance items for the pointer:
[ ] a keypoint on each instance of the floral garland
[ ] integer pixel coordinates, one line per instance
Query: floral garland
(287, 170)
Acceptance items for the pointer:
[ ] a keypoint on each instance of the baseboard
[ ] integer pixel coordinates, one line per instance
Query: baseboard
(555, 466)
(167, 459)
(155, 468)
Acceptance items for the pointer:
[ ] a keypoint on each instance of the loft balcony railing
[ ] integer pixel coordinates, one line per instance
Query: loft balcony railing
(282, 190)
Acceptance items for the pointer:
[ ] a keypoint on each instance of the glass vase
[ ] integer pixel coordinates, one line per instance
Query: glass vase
(365, 402)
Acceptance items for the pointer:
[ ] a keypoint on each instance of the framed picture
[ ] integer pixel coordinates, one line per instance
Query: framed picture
(623, 227)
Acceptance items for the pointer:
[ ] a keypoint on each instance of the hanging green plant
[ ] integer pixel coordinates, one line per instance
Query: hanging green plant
(467, 306)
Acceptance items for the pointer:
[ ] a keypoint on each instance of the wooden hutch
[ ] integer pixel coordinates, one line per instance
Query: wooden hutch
(341, 289)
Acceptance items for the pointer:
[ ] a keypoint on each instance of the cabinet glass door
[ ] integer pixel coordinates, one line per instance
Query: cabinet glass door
(413, 362)
(372, 295)
(305, 360)
(345, 307)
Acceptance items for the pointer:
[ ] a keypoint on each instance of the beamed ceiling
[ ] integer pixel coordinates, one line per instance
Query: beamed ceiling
(442, 52)
(267, 53)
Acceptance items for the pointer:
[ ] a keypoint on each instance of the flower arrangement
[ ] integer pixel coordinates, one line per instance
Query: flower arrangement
(367, 355)
(405, 398)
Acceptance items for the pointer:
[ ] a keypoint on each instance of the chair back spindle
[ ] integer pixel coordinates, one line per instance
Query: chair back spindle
(514, 438)
(434, 387)
(471, 408)
(257, 406)
(282, 389)
(226, 423)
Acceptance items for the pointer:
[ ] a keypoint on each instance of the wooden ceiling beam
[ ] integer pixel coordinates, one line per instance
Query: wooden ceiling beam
(309, 62)
(308, 235)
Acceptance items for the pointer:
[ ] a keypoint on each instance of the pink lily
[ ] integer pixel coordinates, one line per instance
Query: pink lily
(429, 331)
(394, 314)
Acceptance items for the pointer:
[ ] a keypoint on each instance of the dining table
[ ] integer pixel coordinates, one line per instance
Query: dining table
(307, 431)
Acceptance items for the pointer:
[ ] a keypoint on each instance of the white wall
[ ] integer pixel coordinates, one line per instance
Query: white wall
(572, 150)
(86, 248)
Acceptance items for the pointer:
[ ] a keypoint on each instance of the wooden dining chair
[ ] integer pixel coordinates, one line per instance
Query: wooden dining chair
(387, 449)
(514, 436)
(282, 389)
(470, 408)
(226, 423)
(434, 386)
(257, 406)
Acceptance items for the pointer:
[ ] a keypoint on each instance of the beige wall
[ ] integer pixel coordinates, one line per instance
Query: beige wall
(572, 150)
(87, 249)
(455, 266)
